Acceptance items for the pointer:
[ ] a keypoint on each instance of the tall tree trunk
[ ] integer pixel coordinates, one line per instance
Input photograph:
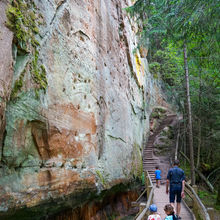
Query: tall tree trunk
(218, 196)
(199, 173)
(199, 143)
(199, 122)
(189, 113)
(185, 132)
(177, 141)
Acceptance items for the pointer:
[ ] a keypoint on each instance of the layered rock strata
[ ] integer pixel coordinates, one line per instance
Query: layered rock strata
(75, 100)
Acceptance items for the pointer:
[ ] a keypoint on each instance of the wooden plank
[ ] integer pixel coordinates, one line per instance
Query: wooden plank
(141, 195)
(197, 204)
(143, 213)
(161, 199)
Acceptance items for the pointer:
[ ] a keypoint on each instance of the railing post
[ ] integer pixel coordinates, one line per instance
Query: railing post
(142, 206)
(147, 184)
(195, 205)
(195, 208)
(148, 190)
(195, 188)
(199, 209)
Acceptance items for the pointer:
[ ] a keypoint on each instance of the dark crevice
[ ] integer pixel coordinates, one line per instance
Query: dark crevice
(117, 138)
(57, 10)
(3, 143)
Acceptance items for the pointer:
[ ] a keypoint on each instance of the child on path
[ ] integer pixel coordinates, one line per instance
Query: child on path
(153, 213)
(169, 210)
(157, 176)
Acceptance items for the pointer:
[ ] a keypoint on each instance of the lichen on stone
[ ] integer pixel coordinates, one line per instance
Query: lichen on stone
(17, 86)
(102, 177)
(137, 165)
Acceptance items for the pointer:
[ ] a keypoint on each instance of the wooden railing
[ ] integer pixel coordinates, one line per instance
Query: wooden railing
(198, 208)
(149, 192)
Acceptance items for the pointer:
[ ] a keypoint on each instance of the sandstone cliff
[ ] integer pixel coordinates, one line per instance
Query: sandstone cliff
(75, 100)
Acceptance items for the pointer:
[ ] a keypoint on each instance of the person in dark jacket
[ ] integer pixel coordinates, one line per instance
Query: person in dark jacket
(176, 183)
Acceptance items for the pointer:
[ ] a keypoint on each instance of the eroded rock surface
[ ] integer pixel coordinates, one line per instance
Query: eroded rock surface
(6, 67)
(86, 130)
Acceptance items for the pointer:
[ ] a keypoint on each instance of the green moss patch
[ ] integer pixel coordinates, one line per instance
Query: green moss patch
(24, 20)
(17, 86)
(38, 72)
(208, 198)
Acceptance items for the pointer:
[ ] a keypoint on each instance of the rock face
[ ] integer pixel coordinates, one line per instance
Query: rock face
(82, 127)
(6, 68)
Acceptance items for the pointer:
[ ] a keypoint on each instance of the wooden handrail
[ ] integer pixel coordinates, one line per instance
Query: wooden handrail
(141, 195)
(144, 207)
(198, 208)
(150, 180)
(143, 213)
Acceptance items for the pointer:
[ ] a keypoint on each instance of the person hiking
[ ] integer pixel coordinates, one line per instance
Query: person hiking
(157, 176)
(176, 182)
(169, 210)
(153, 213)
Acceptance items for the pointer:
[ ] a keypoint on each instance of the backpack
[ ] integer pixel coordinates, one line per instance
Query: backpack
(175, 217)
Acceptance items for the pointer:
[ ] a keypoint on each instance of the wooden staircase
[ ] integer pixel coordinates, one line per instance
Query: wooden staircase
(160, 198)
(149, 160)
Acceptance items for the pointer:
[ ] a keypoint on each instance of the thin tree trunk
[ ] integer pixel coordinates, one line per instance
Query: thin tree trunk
(185, 138)
(189, 113)
(199, 144)
(177, 141)
(218, 196)
(185, 131)
(199, 122)
(199, 173)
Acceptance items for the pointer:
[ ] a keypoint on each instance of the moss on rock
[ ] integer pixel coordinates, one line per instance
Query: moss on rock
(23, 19)
(17, 86)
(137, 165)
(38, 72)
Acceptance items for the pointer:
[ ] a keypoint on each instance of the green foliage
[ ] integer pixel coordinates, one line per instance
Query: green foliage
(158, 113)
(38, 73)
(102, 177)
(113, 216)
(186, 168)
(155, 68)
(203, 194)
(155, 115)
(208, 198)
(168, 64)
